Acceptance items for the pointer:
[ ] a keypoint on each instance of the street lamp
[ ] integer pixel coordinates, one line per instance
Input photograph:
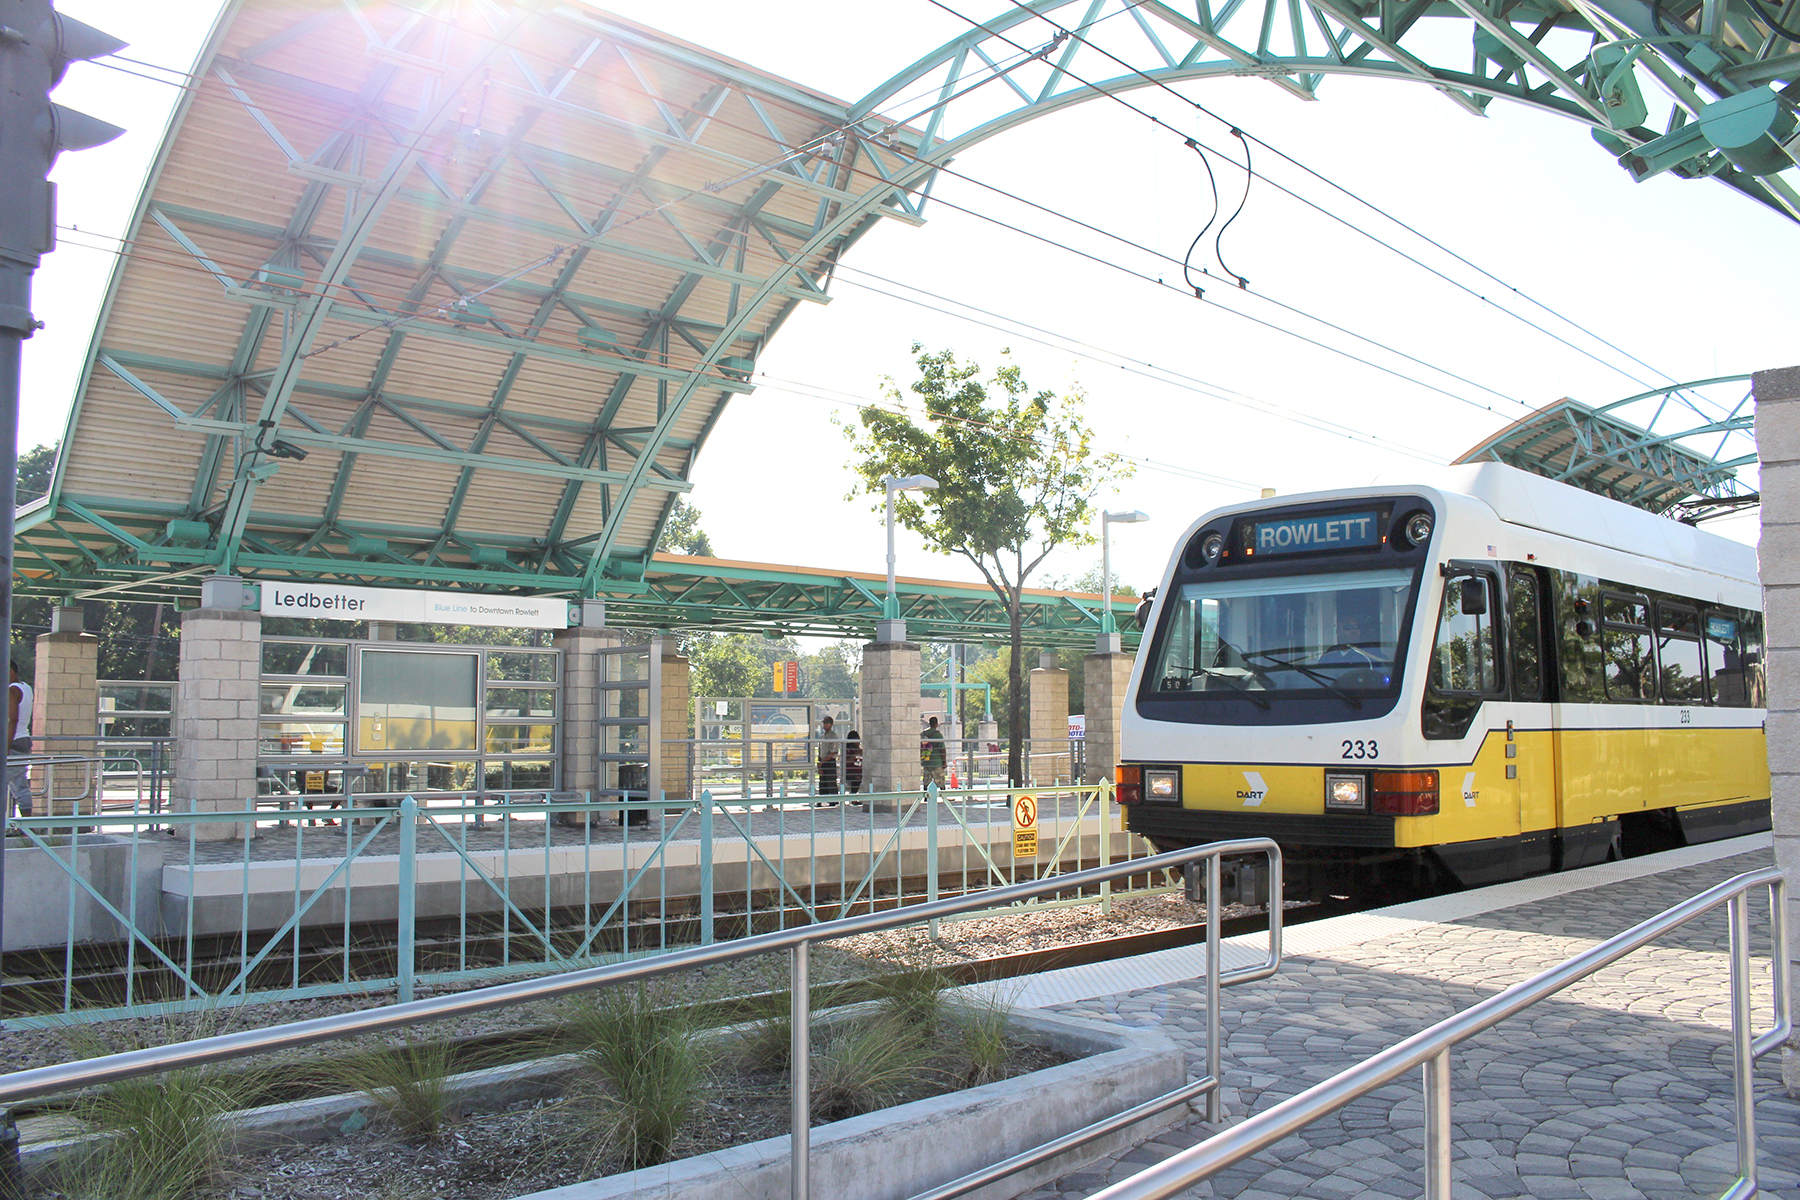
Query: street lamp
(892, 628)
(1108, 641)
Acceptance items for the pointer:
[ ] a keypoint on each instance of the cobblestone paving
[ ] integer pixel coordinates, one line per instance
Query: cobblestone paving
(1617, 1088)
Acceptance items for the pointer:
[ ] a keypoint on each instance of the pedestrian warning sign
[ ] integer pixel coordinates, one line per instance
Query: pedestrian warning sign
(1025, 814)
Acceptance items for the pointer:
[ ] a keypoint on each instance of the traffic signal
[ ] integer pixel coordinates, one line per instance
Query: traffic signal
(37, 44)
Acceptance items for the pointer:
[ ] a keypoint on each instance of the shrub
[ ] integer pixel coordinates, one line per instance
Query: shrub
(869, 1064)
(655, 1066)
(410, 1082)
(166, 1138)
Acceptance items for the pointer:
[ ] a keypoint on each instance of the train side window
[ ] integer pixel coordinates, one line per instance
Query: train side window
(1465, 659)
(1526, 640)
(1755, 681)
(1683, 677)
(1724, 659)
(1628, 663)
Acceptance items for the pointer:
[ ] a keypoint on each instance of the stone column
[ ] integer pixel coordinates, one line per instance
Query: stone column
(676, 685)
(65, 707)
(1778, 446)
(216, 706)
(1049, 722)
(890, 718)
(581, 695)
(1108, 675)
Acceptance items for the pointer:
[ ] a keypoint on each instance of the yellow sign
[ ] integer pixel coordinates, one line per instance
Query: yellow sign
(1025, 815)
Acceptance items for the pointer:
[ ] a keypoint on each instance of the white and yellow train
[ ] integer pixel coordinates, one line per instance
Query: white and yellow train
(1440, 686)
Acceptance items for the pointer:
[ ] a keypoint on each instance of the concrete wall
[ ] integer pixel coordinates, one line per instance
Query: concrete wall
(215, 715)
(1049, 685)
(890, 717)
(581, 702)
(1778, 446)
(1106, 678)
(676, 686)
(65, 704)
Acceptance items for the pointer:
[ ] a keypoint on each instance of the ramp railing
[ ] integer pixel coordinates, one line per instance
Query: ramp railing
(797, 942)
(1431, 1049)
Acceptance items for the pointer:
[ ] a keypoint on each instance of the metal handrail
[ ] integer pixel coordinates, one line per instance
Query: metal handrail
(1431, 1047)
(43, 1081)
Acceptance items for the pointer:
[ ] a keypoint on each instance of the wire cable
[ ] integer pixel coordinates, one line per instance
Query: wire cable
(1219, 239)
(1186, 259)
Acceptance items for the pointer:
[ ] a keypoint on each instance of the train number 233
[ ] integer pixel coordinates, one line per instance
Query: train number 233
(1361, 749)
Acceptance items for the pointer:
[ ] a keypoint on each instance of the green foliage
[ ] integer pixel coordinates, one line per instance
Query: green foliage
(644, 1046)
(682, 533)
(869, 1064)
(167, 1136)
(725, 664)
(913, 995)
(410, 1082)
(1017, 476)
(35, 467)
(982, 1026)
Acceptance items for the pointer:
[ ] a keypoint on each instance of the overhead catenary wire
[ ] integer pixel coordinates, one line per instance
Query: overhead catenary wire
(1247, 137)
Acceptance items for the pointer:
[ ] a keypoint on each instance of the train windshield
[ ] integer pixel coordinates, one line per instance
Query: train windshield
(1320, 635)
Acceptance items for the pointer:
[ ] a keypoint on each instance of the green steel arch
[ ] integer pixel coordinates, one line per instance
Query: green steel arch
(388, 172)
(1601, 62)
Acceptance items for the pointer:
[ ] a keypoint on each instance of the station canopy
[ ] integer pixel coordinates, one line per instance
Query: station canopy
(447, 295)
(1596, 449)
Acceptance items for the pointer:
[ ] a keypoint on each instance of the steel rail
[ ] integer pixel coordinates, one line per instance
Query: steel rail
(1431, 1048)
(42, 1081)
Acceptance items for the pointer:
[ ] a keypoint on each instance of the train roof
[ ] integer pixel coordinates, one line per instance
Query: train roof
(1522, 498)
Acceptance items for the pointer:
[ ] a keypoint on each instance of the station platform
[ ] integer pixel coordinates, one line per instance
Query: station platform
(1616, 1088)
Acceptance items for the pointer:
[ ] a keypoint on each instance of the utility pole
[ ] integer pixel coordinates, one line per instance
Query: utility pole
(37, 44)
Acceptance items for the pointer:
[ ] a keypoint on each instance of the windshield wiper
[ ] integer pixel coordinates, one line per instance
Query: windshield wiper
(1239, 674)
(1318, 677)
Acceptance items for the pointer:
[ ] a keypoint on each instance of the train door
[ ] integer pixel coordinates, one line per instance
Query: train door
(1533, 741)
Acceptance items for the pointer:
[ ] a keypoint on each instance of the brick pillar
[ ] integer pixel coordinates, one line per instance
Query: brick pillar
(581, 696)
(675, 690)
(1778, 446)
(1049, 722)
(65, 705)
(890, 718)
(216, 708)
(1108, 675)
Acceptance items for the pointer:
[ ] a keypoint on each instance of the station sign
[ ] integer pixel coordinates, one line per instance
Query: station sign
(1025, 815)
(336, 602)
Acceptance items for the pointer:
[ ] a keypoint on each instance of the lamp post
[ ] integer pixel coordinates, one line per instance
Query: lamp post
(1108, 641)
(891, 627)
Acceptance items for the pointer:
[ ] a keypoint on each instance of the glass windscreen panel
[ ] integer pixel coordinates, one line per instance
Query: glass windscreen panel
(1325, 634)
(416, 700)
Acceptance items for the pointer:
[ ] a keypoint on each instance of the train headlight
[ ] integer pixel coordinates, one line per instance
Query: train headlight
(1417, 529)
(1346, 793)
(1211, 546)
(1163, 785)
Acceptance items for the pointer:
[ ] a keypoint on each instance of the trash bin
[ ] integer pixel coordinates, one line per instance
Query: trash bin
(635, 777)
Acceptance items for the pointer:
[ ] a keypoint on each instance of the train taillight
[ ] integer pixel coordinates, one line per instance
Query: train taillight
(1403, 793)
(1130, 782)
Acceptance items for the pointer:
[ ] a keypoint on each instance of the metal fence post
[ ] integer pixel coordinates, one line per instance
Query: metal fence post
(1437, 1126)
(1743, 1074)
(1212, 987)
(799, 1072)
(409, 845)
(706, 867)
(931, 851)
(1103, 799)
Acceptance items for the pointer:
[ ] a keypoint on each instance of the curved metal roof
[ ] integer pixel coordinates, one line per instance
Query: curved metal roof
(493, 271)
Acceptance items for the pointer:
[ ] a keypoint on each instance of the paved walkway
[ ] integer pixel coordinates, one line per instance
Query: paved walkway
(1617, 1088)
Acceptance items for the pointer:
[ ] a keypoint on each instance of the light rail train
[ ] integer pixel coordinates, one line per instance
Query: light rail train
(1428, 687)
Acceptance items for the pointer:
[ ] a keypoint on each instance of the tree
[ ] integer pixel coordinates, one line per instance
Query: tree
(35, 466)
(1017, 476)
(725, 664)
(682, 533)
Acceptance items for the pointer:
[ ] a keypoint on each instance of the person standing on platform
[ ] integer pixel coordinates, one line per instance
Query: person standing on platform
(18, 741)
(933, 756)
(830, 748)
(853, 763)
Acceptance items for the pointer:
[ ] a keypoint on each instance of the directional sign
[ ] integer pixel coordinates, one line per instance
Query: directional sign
(1025, 814)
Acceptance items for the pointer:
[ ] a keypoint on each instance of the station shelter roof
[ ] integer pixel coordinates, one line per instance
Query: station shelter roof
(441, 296)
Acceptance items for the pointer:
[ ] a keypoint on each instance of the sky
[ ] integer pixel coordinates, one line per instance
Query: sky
(1680, 275)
